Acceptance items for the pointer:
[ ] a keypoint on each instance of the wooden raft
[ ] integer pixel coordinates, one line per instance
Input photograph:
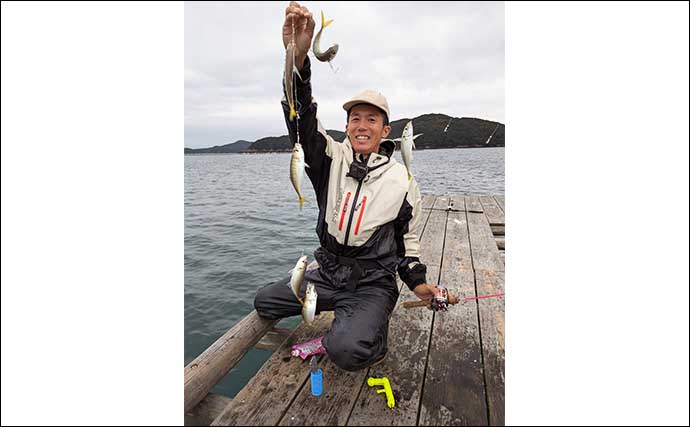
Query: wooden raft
(444, 368)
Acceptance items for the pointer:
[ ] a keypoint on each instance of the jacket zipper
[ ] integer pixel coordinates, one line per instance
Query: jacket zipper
(352, 213)
(361, 212)
(342, 215)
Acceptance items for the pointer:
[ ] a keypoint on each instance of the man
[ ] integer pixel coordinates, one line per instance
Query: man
(368, 220)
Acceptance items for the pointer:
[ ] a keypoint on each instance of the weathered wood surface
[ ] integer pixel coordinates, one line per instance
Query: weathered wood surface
(267, 396)
(408, 342)
(428, 201)
(489, 279)
(441, 203)
(498, 230)
(273, 339)
(493, 212)
(501, 200)
(485, 254)
(204, 372)
(454, 384)
(207, 410)
(333, 407)
(501, 243)
(492, 319)
(472, 204)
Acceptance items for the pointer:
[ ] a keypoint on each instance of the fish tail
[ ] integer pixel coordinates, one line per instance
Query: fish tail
(301, 201)
(293, 113)
(325, 23)
(409, 176)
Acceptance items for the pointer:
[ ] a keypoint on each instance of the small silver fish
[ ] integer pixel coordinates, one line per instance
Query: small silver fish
(406, 146)
(297, 166)
(330, 53)
(309, 304)
(290, 71)
(298, 276)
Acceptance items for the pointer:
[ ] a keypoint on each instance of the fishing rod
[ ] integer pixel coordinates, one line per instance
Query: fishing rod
(441, 300)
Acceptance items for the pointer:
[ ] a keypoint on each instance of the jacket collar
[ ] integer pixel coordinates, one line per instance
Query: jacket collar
(386, 149)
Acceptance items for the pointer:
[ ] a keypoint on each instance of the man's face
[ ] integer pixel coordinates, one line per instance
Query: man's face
(365, 128)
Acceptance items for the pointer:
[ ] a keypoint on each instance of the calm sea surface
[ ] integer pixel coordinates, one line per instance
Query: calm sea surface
(244, 229)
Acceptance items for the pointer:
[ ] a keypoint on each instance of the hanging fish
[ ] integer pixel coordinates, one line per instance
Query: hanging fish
(297, 166)
(330, 53)
(309, 304)
(309, 301)
(289, 76)
(406, 146)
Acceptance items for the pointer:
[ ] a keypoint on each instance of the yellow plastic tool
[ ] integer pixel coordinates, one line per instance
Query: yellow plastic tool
(372, 382)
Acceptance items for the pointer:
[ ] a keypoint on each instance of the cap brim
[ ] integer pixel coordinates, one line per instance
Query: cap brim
(352, 103)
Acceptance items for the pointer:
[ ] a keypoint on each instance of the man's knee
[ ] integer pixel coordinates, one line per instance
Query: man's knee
(352, 355)
(263, 305)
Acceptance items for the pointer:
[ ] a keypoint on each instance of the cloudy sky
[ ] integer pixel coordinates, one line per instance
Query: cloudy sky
(445, 57)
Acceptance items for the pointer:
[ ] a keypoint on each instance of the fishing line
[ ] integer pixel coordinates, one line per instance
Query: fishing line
(483, 296)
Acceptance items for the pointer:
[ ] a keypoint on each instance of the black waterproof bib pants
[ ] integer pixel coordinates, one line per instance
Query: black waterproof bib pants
(358, 336)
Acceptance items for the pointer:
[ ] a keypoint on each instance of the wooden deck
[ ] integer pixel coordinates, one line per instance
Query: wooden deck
(445, 368)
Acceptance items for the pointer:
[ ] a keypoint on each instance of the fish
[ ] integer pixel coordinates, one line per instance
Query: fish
(330, 53)
(406, 146)
(290, 71)
(297, 166)
(297, 276)
(309, 304)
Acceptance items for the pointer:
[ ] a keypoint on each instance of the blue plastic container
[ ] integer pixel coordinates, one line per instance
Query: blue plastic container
(316, 382)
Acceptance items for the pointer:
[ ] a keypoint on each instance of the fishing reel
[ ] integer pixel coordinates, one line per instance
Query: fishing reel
(440, 300)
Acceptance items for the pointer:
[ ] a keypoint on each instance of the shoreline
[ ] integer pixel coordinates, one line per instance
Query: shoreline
(288, 151)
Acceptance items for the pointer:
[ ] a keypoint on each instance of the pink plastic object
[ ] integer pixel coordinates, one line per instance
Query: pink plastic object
(308, 348)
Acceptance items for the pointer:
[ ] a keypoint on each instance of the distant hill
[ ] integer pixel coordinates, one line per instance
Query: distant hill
(438, 131)
(441, 131)
(234, 147)
(282, 143)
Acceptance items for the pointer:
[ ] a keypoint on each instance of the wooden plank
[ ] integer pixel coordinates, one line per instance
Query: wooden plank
(492, 320)
(428, 201)
(501, 200)
(268, 394)
(498, 230)
(457, 203)
(441, 202)
(273, 339)
(204, 372)
(501, 243)
(408, 342)
(472, 204)
(207, 410)
(423, 220)
(485, 254)
(454, 392)
(493, 213)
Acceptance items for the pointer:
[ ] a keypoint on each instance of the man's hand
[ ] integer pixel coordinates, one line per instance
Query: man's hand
(303, 30)
(425, 291)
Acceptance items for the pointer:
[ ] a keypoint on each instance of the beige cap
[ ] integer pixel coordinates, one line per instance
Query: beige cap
(369, 97)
